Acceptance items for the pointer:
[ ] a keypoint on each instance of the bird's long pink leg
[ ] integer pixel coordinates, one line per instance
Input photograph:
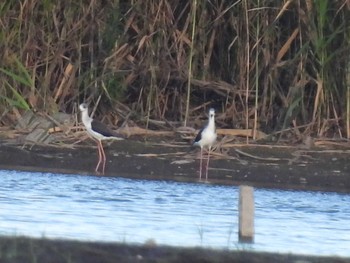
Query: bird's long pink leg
(206, 172)
(99, 156)
(103, 158)
(200, 164)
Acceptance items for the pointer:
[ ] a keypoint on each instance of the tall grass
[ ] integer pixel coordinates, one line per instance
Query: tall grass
(15, 99)
(188, 97)
(58, 45)
(269, 65)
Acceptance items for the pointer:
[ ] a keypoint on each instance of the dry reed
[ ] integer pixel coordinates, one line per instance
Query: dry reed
(265, 65)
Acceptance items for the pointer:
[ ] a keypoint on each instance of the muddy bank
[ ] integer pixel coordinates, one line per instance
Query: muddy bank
(282, 167)
(20, 249)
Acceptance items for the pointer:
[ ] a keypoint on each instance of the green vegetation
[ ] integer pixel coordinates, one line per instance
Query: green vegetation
(269, 65)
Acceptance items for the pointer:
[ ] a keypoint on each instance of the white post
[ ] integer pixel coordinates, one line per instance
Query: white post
(246, 214)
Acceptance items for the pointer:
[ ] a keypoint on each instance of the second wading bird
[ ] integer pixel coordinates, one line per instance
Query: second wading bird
(99, 132)
(206, 139)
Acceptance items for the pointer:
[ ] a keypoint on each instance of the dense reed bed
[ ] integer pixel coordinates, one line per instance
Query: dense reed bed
(275, 66)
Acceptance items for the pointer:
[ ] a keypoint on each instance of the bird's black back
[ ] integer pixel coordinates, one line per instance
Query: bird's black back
(103, 129)
(199, 136)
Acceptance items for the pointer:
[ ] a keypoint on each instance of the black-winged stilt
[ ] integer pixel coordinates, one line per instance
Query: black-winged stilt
(206, 139)
(99, 132)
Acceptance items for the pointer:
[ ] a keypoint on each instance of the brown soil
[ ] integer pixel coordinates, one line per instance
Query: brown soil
(284, 167)
(19, 249)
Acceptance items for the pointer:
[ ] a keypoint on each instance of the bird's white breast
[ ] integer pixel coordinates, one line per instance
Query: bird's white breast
(87, 123)
(208, 137)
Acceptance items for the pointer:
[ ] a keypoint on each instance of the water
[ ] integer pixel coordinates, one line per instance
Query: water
(180, 214)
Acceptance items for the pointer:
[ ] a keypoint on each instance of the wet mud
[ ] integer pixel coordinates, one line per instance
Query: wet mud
(320, 169)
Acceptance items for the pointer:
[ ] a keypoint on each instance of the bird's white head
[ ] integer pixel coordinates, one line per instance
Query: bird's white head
(211, 113)
(83, 107)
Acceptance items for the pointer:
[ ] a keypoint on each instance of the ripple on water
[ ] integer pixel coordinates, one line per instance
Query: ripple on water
(185, 214)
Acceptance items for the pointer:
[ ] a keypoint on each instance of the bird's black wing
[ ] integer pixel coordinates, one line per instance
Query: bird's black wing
(103, 129)
(199, 136)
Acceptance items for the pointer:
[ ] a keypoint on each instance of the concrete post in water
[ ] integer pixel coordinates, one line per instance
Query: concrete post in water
(246, 214)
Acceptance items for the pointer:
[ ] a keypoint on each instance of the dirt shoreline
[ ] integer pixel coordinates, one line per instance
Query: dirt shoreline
(23, 249)
(260, 166)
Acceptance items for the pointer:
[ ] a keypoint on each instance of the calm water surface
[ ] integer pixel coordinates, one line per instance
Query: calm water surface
(181, 214)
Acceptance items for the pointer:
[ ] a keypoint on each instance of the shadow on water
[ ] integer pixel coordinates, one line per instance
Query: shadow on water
(171, 213)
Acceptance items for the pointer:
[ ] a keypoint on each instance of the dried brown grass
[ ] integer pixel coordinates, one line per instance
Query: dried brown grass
(263, 65)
